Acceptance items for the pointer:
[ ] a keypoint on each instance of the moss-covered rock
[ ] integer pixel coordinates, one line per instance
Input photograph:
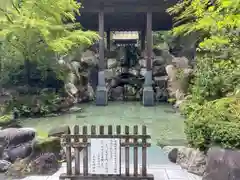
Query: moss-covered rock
(59, 131)
(47, 145)
(5, 120)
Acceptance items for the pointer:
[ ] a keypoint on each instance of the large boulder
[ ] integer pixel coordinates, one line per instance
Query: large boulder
(14, 136)
(59, 131)
(117, 93)
(47, 145)
(178, 80)
(44, 159)
(180, 62)
(172, 152)
(89, 57)
(222, 164)
(194, 161)
(20, 151)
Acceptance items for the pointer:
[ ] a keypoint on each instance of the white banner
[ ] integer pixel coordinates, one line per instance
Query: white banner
(105, 156)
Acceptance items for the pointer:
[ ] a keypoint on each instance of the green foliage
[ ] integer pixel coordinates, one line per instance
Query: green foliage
(213, 107)
(161, 39)
(36, 105)
(214, 123)
(31, 25)
(38, 30)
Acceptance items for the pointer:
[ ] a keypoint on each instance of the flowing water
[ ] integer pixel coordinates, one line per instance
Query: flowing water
(165, 126)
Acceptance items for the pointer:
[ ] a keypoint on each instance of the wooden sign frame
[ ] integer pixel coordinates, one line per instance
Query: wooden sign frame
(80, 142)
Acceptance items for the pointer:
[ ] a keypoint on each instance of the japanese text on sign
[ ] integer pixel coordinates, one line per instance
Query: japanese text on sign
(105, 156)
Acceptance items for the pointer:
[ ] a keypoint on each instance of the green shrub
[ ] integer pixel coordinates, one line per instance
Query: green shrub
(214, 123)
(37, 104)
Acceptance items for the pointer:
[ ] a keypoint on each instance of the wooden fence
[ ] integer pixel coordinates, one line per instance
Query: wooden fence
(81, 142)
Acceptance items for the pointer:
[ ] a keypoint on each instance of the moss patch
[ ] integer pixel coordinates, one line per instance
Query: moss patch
(42, 134)
(5, 120)
(51, 144)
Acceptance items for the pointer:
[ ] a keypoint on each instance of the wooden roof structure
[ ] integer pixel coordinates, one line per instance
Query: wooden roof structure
(126, 15)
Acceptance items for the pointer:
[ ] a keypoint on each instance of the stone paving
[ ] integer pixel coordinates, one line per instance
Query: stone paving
(160, 172)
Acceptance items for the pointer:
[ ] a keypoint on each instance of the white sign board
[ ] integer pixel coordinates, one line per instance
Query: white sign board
(105, 156)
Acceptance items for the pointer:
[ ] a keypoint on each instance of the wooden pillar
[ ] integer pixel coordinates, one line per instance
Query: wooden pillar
(149, 41)
(101, 42)
(108, 39)
(148, 93)
(142, 37)
(101, 93)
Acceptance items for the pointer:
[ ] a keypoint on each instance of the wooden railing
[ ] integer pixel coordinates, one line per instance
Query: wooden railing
(81, 141)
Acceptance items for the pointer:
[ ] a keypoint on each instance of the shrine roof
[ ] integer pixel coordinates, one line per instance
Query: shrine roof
(126, 15)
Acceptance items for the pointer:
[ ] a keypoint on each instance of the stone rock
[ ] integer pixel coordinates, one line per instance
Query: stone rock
(75, 66)
(112, 63)
(222, 164)
(192, 160)
(4, 165)
(167, 56)
(142, 63)
(117, 93)
(18, 169)
(159, 70)
(89, 56)
(161, 94)
(177, 87)
(47, 145)
(71, 89)
(180, 62)
(46, 163)
(91, 94)
(171, 72)
(59, 131)
(93, 77)
(5, 120)
(20, 151)
(173, 154)
(13, 136)
(158, 61)
(75, 109)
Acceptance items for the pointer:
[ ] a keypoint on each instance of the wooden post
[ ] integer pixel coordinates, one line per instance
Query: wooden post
(101, 42)
(118, 133)
(135, 152)
(77, 151)
(148, 93)
(142, 37)
(144, 151)
(85, 152)
(101, 92)
(149, 41)
(108, 40)
(69, 155)
(127, 152)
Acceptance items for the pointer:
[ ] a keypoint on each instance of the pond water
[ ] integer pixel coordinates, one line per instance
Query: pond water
(165, 126)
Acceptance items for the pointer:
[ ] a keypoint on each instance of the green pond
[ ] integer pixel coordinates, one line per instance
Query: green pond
(164, 126)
